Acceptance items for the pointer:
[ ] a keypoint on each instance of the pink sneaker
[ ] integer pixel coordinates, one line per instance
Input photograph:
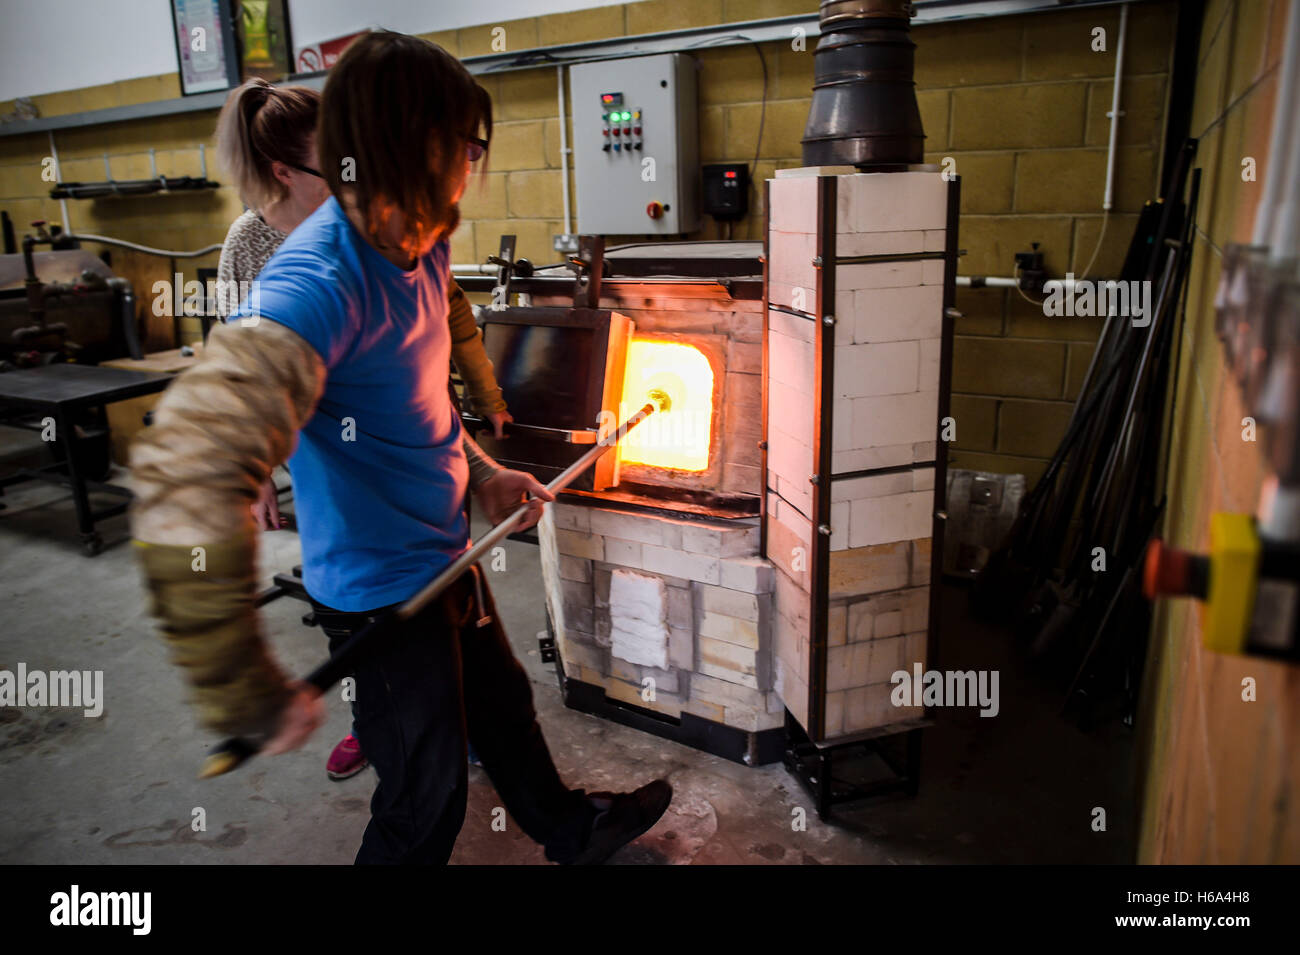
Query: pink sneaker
(347, 759)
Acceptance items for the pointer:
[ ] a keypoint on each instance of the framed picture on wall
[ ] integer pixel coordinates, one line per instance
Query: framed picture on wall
(205, 45)
(265, 43)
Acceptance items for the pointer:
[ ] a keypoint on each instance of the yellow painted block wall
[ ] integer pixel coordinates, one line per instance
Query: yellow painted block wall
(1220, 772)
(1018, 103)
(180, 221)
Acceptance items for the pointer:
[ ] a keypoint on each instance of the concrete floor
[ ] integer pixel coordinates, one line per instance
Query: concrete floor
(120, 788)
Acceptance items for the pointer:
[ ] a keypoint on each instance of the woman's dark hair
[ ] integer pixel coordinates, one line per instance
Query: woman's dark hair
(395, 119)
(261, 124)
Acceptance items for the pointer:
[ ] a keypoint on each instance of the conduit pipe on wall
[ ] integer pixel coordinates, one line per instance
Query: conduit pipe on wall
(1285, 106)
(1108, 200)
(147, 249)
(1284, 238)
(987, 281)
(58, 176)
(1108, 196)
(997, 281)
(564, 151)
(1233, 294)
(1276, 225)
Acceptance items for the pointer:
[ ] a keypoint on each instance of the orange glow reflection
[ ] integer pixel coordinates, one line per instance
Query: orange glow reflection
(677, 438)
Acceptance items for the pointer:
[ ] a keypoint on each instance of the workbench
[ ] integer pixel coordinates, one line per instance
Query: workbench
(60, 392)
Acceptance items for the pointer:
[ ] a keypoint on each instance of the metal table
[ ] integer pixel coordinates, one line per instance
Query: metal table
(60, 392)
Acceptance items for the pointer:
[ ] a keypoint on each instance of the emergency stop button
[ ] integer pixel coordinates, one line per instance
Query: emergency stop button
(655, 210)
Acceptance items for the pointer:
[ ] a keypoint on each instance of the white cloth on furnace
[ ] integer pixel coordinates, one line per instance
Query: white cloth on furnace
(638, 619)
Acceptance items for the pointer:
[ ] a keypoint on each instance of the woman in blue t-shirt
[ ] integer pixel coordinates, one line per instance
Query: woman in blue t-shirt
(339, 358)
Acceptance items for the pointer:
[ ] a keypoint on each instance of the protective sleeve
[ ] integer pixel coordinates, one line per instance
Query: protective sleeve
(467, 352)
(218, 431)
(482, 467)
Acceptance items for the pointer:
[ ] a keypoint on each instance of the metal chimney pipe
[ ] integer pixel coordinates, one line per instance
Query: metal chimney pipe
(864, 110)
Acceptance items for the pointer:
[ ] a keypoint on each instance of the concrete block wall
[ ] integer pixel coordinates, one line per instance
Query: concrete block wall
(1028, 133)
(180, 222)
(1018, 103)
(1220, 772)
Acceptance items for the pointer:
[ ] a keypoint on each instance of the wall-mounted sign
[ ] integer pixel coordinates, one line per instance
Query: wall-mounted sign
(205, 45)
(321, 56)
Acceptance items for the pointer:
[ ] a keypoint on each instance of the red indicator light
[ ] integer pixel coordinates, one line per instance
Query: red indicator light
(730, 174)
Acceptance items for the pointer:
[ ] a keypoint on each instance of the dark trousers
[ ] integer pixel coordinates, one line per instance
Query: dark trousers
(448, 675)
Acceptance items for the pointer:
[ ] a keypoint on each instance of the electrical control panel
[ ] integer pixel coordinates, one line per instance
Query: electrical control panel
(726, 191)
(636, 145)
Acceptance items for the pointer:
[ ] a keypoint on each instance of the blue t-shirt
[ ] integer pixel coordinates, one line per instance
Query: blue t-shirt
(379, 475)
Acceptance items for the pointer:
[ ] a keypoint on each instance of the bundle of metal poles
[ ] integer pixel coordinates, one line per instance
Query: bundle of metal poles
(1066, 578)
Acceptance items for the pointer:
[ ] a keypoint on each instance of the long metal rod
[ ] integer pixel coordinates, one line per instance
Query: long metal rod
(475, 553)
(232, 752)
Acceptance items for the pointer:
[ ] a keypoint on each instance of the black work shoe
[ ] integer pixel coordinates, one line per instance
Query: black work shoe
(622, 817)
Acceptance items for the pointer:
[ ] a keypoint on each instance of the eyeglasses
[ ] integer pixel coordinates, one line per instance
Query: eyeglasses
(475, 148)
(307, 169)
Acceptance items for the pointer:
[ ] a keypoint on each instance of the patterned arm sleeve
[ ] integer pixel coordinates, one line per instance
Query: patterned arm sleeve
(218, 431)
(481, 466)
(467, 352)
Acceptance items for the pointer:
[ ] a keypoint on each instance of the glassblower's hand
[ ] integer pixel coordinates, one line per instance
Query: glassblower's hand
(499, 420)
(266, 512)
(506, 490)
(301, 716)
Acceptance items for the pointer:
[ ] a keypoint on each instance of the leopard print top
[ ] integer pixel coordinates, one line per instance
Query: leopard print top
(250, 243)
